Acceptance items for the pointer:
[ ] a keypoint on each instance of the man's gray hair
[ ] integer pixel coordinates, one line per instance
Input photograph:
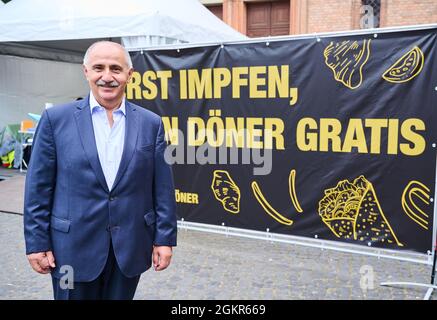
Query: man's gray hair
(126, 53)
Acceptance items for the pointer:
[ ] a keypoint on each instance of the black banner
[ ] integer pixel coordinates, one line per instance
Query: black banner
(330, 138)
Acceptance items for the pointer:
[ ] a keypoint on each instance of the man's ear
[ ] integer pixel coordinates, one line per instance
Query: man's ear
(85, 71)
(130, 72)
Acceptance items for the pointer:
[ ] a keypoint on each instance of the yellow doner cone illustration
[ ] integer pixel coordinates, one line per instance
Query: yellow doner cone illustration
(346, 60)
(352, 211)
(226, 191)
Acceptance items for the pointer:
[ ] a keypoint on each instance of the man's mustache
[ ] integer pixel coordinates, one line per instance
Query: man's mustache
(105, 84)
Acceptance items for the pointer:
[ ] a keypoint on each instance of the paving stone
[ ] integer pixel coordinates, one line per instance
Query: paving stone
(213, 266)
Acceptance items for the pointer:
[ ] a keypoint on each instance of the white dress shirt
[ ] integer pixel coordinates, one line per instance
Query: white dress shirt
(109, 141)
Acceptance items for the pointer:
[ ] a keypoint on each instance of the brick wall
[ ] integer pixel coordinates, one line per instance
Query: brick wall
(329, 15)
(338, 15)
(311, 16)
(409, 12)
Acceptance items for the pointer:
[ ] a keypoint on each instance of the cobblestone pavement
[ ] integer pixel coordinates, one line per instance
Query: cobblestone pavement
(212, 266)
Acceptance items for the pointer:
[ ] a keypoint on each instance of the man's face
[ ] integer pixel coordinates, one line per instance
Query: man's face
(107, 72)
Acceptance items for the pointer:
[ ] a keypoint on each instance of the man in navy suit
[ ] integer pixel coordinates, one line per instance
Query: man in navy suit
(99, 198)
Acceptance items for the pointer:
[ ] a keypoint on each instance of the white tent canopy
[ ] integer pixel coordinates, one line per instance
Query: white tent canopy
(172, 20)
(59, 32)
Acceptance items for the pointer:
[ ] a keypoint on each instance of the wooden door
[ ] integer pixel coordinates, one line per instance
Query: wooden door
(268, 18)
(217, 10)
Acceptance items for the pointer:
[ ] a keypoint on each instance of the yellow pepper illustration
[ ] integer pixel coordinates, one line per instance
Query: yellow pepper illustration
(226, 191)
(346, 59)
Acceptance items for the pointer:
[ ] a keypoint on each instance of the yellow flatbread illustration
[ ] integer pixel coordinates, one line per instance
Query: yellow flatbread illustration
(406, 68)
(267, 207)
(226, 191)
(416, 190)
(292, 190)
(352, 211)
(346, 59)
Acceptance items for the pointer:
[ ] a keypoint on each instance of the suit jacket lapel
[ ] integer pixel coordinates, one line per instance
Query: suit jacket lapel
(130, 141)
(86, 132)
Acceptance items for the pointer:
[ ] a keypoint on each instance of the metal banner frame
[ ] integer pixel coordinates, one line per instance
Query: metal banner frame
(318, 243)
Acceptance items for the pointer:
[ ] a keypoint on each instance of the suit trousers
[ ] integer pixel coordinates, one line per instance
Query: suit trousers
(111, 284)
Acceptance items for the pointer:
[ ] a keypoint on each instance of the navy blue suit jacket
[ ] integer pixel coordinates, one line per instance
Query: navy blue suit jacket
(68, 208)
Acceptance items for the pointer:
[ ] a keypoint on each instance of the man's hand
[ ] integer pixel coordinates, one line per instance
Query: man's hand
(41, 262)
(161, 257)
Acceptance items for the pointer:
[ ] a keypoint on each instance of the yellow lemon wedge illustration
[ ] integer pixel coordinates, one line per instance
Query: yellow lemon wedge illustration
(406, 68)
(346, 59)
(352, 211)
(226, 191)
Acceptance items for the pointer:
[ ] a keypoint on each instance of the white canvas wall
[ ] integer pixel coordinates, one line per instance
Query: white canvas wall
(26, 84)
